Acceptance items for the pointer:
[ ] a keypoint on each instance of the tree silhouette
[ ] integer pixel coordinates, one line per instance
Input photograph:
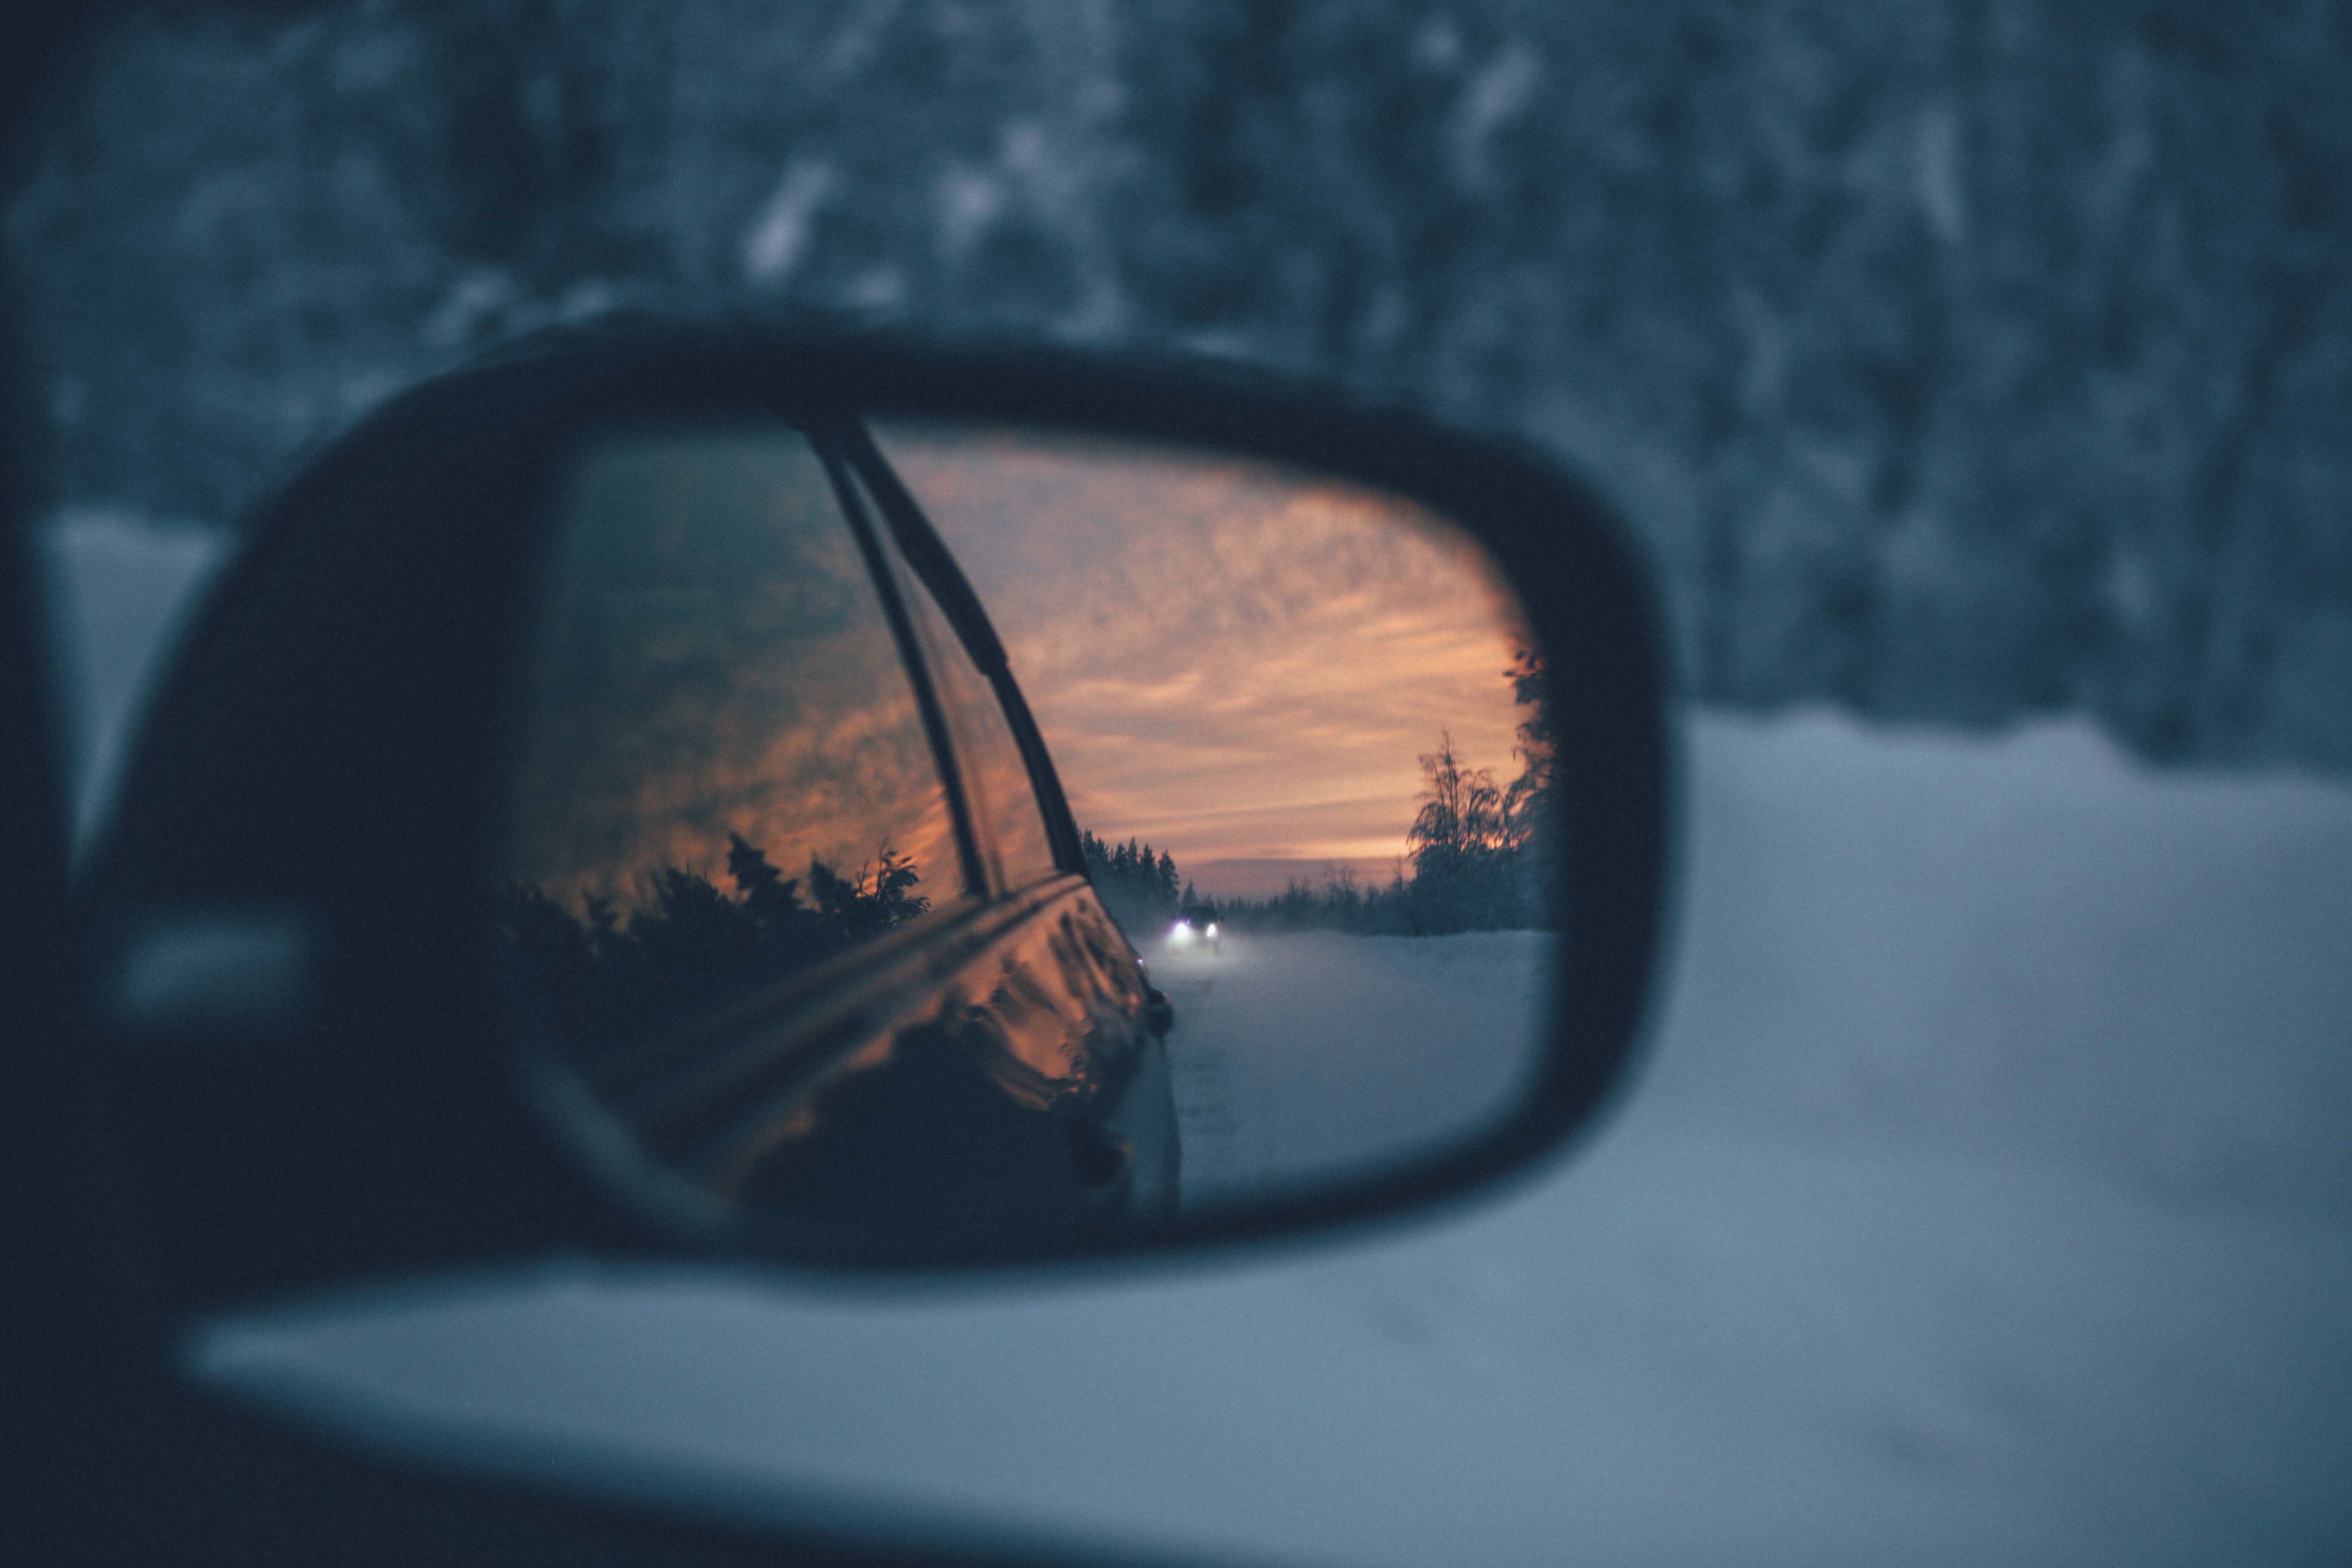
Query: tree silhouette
(598, 983)
(1532, 801)
(1530, 795)
(1466, 844)
(769, 897)
(1477, 851)
(1139, 886)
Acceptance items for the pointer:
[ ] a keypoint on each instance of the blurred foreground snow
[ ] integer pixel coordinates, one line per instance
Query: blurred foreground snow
(122, 588)
(1984, 1199)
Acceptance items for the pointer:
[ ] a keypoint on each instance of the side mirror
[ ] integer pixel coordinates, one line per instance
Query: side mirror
(858, 805)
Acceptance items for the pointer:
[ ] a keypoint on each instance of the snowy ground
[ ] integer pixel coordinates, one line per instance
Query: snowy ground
(1298, 1055)
(1985, 1199)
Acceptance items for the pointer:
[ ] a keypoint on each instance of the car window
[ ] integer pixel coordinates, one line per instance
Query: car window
(723, 776)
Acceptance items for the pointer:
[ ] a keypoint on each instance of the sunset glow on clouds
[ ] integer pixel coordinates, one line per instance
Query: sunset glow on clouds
(1237, 662)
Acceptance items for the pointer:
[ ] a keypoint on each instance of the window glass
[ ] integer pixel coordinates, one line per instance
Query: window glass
(723, 777)
(1004, 809)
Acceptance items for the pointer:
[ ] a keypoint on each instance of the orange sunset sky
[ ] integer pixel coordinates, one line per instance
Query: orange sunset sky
(1237, 662)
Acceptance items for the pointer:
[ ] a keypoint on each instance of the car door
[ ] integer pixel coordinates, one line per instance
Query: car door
(779, 892)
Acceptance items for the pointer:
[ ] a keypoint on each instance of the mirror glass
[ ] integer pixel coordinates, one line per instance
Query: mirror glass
(792, 903)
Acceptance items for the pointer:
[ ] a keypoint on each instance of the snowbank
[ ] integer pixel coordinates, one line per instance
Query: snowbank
(1982, 1200)
(2027, 947)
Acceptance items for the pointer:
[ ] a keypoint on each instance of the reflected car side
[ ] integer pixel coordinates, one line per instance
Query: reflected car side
(753, 628)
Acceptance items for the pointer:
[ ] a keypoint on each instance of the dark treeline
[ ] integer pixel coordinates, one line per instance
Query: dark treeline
(1139, 888)
(1339, 902)
(1475, 858)
(1476, 849)
(689, 946)
(1957, 361)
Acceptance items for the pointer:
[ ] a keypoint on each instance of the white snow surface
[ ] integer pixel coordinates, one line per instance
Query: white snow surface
(1298, 1058)
(1983, 1199)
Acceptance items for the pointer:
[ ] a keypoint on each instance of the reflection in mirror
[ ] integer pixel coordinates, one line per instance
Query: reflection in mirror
(780, 902)
(1306, 739)
(774, 920)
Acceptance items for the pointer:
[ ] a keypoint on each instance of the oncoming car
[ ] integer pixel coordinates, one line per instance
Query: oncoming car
(1196, 925)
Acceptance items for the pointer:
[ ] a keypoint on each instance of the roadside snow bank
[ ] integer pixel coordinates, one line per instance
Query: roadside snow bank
(1982, 1200)
(2022, 946)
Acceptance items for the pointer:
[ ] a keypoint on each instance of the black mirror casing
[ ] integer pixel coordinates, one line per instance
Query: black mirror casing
(309, 1056)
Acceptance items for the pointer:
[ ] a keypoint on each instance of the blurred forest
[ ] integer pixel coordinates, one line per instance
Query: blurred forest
(1957, 359)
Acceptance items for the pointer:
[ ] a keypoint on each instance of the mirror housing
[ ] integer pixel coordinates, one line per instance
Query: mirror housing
(310, 1062)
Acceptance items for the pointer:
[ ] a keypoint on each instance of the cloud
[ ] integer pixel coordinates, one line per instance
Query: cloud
(1234, 660)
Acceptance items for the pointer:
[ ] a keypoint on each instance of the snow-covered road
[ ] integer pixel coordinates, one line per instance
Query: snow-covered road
(1985, 1198)
(1297, 1055)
